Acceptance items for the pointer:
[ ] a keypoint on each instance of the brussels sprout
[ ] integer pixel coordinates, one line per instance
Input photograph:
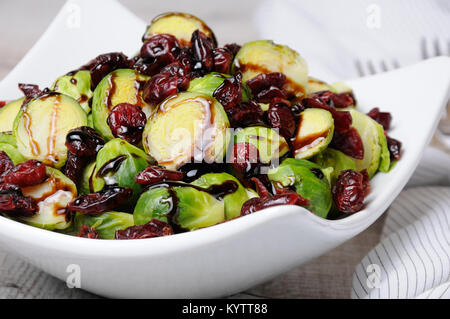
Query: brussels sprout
(316, 85)
(234, 201)
(301, 174)
(8, 114)
(336, 160)
(118, 162)
(106, 224)
(12, 152)
(185, 207)
(90, 121)
(180, 25)
(264, 56)
(120, 86)
(376, 153)
(52, 197)
(76, 85)
(185, 126)
(210, 82)
(269, 143)
(314, 133)
(86, 181)
(42, 124)
(8, 138)
(340, 87)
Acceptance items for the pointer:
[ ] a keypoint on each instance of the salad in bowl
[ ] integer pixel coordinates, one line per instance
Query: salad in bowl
(185, 135)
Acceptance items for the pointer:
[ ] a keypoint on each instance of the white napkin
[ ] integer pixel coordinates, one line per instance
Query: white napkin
(413, 258)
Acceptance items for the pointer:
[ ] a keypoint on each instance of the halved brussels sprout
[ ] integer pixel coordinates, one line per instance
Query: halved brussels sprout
(42, 124)
(77, 85)
(308, 180)
(184, 207)
(269, 143)
(336, 160)
(118, 162)
(106, 224)
(316, 85)
(376, 153)
(12, 152)
(52, 197)
(210, 82)
(8, 114)
(314, 133)
(180, 25)
(185, 126)
(234, 201)
(265, 56)
(120, 86)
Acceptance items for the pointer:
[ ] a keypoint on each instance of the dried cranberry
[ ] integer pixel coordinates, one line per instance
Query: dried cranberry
(202, 53)
(366, 182)
(145, 66)
(74, 167)
(84, 141)
(155, 174)
(337, 100)
(268, 95)
(286, 197)
(349, 142)
(6, 164)
(261, 189)
(161, 50)
(159, 87)
(88, 232)
(107, 199)
(296, 109)
(349, 191)
(154, 228)
(223, 59)
(395, 148)
(383, 118)
(229, 93)
(233, 48)
(31, 91)
(127, 121)
(2, 103)
(246, 114)
(105, 64)
(265, 81)
(28, 173)
(12, 202)
(244, 160)
(280, 116)
(181, 72)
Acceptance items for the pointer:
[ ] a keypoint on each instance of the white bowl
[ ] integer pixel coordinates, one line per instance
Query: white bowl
(233, 256)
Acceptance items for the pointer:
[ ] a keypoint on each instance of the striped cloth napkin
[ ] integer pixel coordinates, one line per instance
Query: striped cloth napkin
(412, 259)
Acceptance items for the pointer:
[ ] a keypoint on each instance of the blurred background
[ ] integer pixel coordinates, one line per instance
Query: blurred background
(339, 40)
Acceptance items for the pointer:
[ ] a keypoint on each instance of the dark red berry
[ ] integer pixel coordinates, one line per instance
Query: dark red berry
(156, 174)
(84, 141)
(127, 121)
(265, 81)
(280, 117)
(202, 53)
(159, 50)
(88, 232)
(74, 167)
(31, 91)
(246, 114)
(383, 118)
(159, 87)
(13, 203)
(105, 64)
(244, 160)
(349, 142)
(229, 93)
(349, 191)
(395, 148)
(223, 59)
(233, 48)
(28, 173)
(268, 95)
(154, 228)
(107, 199)
(286, 197)
(6, 164)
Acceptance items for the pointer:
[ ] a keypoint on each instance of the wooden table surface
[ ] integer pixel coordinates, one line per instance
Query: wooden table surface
(328, 276)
